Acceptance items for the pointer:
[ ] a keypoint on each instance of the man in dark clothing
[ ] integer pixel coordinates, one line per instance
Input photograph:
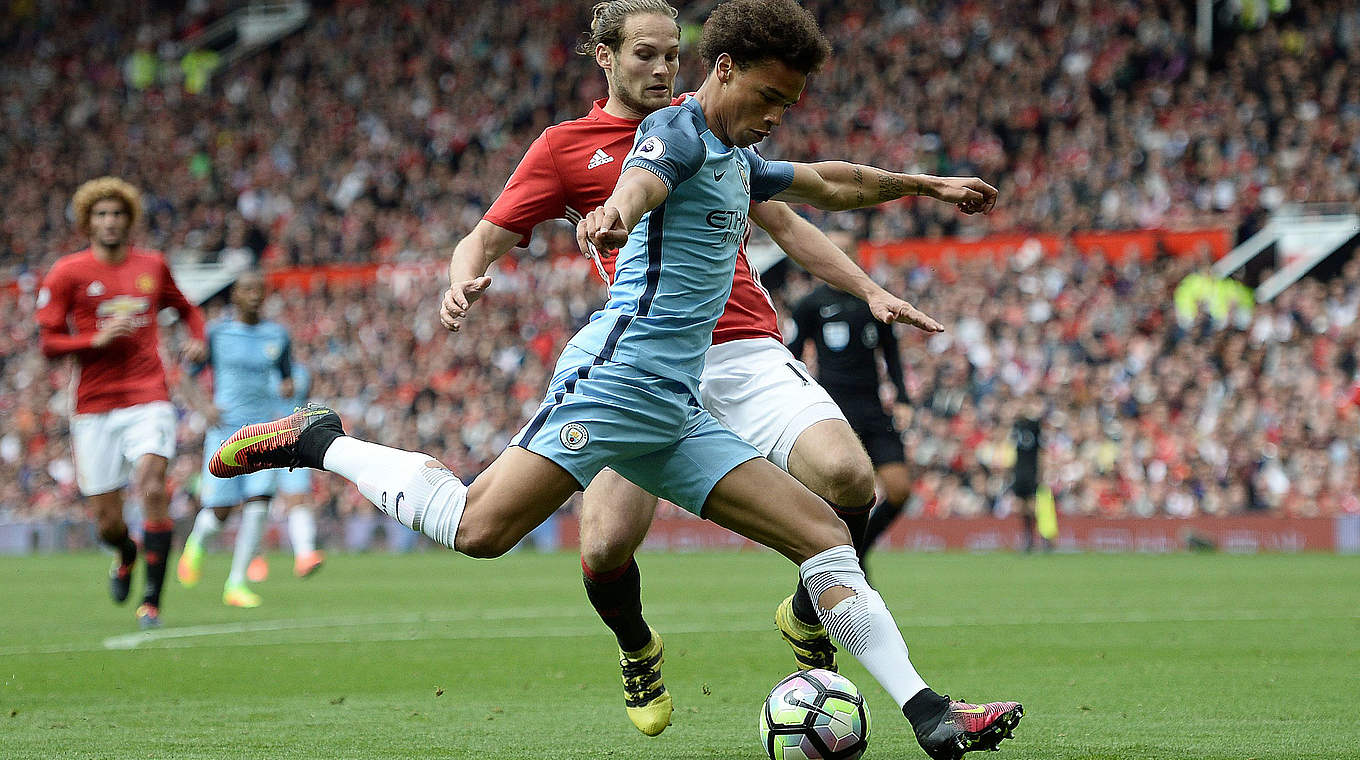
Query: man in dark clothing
(847, 340)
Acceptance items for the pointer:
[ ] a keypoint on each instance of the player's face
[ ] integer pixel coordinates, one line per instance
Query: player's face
(756, 98)
(641, 73)
(247, 295)
(109, 222)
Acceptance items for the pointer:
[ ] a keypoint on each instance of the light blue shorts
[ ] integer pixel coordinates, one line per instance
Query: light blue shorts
(229, 492)
(295, 481)
(648, 429)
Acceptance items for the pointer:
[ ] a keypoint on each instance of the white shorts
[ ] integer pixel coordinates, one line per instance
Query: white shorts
(758, 390)
(106, 445)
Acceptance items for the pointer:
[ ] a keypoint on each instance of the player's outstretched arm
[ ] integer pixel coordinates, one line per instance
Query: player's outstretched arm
(839, 186)
(606, 228)
(823, 259)
(471, 258)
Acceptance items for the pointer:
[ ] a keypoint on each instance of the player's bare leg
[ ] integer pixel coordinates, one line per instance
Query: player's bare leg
(615, 516)
(148, 480)
(761, 502)
(107, 509)
(235, 593)
(829, 459)
(208, 522)
(307, 559)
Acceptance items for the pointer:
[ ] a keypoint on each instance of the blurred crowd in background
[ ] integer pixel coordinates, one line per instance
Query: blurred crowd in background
(380, 134)
(1144, 415)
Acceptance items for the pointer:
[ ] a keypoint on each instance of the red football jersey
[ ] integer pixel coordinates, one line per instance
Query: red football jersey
(80, 293)
(571, 169)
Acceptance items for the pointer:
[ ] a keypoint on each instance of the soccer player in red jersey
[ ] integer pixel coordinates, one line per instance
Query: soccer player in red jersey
(751, 382)
(100, 305)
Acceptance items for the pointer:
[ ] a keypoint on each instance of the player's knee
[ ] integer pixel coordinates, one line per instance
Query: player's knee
(482, 541)
(150, 484)
(603, 551)
(846, 477)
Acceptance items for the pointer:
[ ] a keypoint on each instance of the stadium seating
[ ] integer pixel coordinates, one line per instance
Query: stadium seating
(379, 136)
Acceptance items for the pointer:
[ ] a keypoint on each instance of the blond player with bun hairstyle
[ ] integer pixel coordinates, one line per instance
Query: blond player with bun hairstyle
(99, 307)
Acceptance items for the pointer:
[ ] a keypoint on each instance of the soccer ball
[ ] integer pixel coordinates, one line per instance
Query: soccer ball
(814, 715)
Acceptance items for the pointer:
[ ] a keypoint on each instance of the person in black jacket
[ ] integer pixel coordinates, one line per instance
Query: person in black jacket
(1027, 435)
(848, 341)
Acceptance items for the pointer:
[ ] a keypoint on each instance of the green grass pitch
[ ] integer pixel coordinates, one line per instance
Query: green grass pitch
(436, 656)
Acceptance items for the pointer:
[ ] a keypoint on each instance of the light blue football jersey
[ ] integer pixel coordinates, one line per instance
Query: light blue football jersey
(302, 389)
(246, 360)
(674, 275)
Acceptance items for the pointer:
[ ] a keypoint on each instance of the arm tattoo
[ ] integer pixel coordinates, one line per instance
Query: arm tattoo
(890, 187)
(859, 187)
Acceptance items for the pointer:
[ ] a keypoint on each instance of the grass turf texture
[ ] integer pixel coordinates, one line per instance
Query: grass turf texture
(436, 656)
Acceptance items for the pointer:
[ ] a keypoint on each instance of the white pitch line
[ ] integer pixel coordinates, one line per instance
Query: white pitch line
(257, 633)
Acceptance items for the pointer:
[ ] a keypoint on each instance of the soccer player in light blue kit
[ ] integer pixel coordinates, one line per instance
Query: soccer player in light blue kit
(624, 393)
(241, 351)
(294, 495)
(295, 489)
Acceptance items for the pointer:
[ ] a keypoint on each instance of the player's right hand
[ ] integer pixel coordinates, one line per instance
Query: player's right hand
(601, 230)
(458, 298)
(970, 194)
(117, 327)
(888, 308)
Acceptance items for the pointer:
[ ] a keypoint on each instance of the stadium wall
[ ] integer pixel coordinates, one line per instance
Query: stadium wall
(1116, 246)
(1247, 535)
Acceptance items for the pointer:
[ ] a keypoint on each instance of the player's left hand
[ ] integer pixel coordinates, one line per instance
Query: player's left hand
(601, 230)
(889, 308)
(195, 351)
(458, 299)
(970, 194)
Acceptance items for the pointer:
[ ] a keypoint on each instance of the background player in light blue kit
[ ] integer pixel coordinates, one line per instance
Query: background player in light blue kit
(625, 390)
(241, 352)
(295, 496)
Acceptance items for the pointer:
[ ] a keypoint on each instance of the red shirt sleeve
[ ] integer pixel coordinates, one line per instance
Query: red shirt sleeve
(54, 305)
(532, 195)
(1355, 394)
(172, 296)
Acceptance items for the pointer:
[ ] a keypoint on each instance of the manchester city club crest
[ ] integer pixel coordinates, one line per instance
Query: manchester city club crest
(574, 436)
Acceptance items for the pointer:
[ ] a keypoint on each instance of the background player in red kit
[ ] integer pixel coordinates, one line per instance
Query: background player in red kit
(100, 305)
(751, 383)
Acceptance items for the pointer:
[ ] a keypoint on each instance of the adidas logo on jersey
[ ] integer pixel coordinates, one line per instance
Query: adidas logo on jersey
(599, 158)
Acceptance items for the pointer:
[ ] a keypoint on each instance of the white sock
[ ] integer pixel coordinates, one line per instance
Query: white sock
(403, 484)
(206, 525)
(861, 623)
(302, 529)
(253, 515)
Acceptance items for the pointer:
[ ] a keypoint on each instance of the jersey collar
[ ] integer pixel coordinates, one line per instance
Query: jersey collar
(597, 112)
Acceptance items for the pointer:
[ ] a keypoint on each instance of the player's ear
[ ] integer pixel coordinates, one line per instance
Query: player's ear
(604, 57)
(723, 68)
